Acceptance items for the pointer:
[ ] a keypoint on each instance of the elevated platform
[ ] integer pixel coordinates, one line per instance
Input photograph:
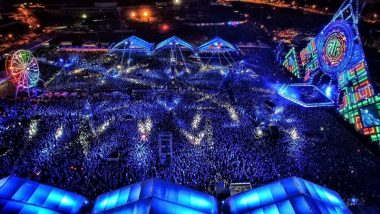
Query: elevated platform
(18, 195)
(155, 196)
(305, 95)
(289, 195)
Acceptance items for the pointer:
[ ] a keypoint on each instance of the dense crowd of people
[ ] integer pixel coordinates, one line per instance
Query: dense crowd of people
(93, 144)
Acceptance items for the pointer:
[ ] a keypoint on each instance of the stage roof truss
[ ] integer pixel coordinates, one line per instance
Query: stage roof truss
(174, 41)
(133, 43)
(217, 45)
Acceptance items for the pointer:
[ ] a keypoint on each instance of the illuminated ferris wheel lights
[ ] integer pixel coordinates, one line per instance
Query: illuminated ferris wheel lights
(22, 69)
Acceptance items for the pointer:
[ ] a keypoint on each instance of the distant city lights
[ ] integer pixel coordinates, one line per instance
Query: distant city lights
(143, 14)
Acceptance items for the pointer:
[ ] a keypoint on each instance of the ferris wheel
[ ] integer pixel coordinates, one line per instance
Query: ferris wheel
(22, 70)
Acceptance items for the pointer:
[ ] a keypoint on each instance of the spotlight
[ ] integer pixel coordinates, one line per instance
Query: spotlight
(328, 91)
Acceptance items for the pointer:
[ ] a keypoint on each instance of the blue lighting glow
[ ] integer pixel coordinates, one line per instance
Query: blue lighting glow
(305, 95)
(290, 195)
(155, 195)
(328, 91)
(337, 52)
(173, 40)
(25, 196)
(133, 43)
(322, 40)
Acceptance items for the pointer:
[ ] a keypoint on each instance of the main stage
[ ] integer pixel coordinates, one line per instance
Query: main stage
(305, 95)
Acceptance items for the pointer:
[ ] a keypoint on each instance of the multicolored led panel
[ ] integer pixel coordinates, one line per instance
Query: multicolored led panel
(355, 85)
(365, 116)
(305, 95)
(291, 63)
(335, 46)
(217, 45)
(168, 43)
(337, 52)
(309, 60)
(359, 105)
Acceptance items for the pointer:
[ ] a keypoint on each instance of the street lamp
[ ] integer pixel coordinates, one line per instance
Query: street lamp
(177, 2)
(133, 14)
(146, 15)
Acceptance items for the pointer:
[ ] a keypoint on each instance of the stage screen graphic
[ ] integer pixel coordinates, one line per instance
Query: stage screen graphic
(370, 116)
(337, 52)
(291, 63)
(335, 47)
(309, 60)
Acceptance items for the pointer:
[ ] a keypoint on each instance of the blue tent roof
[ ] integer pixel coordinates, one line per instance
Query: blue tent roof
(217, 45)
(133, 43)
(174, 41)
(19, 195)
(290, 195)
(155, 196)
